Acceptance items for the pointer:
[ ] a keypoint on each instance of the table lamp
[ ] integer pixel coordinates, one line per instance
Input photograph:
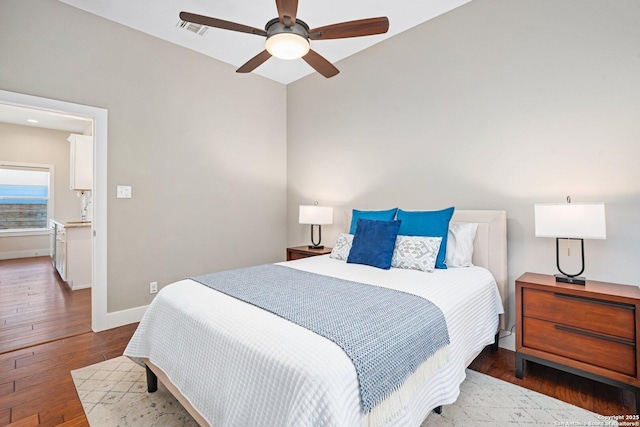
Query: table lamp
(570, 221)
(316, 215)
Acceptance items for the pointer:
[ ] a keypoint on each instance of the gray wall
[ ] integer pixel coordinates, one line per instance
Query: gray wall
(498, 104)
(193, 139)
(45, 146)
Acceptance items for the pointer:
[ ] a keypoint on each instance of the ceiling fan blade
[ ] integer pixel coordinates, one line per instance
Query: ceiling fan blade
(361, 27)
(219, 23)
(320, 64)
(254, 62)
(287, 10)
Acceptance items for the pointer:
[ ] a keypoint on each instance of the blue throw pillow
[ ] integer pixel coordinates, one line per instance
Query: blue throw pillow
(373, 243)
(430, 224)
(388, 215)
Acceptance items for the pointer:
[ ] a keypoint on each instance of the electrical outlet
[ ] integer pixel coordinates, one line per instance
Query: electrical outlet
(153, 287)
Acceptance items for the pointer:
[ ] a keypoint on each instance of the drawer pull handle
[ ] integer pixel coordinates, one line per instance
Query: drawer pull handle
(595, 301)
(593, 335)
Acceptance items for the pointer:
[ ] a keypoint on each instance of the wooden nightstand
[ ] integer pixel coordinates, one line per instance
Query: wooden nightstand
(298, 252)
(591, 330)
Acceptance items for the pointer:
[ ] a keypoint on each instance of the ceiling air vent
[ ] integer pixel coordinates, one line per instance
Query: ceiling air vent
(194, 28)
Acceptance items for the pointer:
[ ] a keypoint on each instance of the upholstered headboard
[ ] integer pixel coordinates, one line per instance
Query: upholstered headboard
(489, 247)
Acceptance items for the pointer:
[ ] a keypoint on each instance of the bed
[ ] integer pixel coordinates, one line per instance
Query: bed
(230, 363)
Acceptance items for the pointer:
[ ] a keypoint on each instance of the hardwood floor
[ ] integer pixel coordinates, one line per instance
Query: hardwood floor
(588, 394)
(36, 384)
(45, 332)
(36, 306)
(36, 388)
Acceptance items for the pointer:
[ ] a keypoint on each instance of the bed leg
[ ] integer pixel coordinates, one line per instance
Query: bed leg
(152, 380)
(494, 346)
(438, 409)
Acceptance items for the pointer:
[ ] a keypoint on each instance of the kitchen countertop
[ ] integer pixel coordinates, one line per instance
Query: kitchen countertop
(73, 224)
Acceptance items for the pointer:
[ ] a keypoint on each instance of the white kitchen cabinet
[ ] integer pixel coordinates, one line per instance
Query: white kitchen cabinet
(73, 255)
(81, 162)
(53, 241)
(61, 252)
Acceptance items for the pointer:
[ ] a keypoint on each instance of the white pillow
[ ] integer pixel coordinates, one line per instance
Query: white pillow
(416, 252)
(460, 244)
(342, 247)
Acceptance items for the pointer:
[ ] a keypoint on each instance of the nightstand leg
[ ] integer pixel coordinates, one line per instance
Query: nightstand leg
(519, 365)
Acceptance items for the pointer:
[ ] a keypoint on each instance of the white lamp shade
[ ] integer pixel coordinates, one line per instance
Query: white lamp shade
(315, 215)
(570, 220)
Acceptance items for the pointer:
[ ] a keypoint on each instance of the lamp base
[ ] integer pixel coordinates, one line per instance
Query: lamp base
(577, 280)
(315, 247)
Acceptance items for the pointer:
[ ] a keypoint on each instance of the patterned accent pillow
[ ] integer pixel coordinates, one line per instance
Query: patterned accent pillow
(416, 253)
(342, 247)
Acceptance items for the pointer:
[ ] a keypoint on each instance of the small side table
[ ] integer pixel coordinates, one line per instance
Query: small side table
(299, 252)
(591, 330)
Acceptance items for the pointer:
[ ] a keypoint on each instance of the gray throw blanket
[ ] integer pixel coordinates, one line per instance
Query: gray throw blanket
(387, 334)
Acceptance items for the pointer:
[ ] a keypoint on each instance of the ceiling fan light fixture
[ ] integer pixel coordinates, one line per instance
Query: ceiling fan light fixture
(287, 45)
(288, 37)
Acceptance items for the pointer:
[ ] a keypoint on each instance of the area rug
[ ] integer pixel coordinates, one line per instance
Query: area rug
(114, 393)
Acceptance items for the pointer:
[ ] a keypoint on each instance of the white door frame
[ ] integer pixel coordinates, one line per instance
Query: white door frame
(99, 318)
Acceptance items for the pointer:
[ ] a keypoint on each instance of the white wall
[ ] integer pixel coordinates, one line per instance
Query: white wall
(27, 144)
(192, 138)
(498, 104)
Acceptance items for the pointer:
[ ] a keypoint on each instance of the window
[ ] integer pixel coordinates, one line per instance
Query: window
(24, 196)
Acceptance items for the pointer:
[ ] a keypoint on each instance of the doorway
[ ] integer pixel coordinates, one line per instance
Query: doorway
(98, 117)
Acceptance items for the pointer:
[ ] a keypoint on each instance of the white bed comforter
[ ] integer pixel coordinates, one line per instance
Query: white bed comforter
(239, 365)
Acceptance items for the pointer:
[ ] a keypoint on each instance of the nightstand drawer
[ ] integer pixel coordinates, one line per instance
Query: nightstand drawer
(298, 255)
(603, 317)
(599, 350)
(299, 252)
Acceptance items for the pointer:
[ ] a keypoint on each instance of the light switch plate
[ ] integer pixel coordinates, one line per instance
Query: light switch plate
(124, 192)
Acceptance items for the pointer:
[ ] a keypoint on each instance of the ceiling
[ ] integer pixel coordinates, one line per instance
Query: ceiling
(44, 119)
(159, 18)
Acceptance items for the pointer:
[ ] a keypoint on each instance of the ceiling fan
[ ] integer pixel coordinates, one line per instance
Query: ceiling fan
(288, 37)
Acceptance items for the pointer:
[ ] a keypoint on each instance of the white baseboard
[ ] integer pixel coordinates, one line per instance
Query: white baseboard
(25, 254)
(507, 342)
(124, 317)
